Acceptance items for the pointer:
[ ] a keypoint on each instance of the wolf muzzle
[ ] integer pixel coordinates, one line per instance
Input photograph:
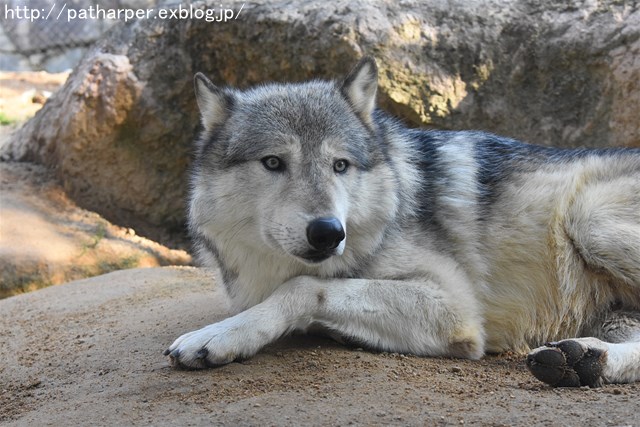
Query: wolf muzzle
(325, 234)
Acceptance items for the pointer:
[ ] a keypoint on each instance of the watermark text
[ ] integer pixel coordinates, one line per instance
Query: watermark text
(61, 12)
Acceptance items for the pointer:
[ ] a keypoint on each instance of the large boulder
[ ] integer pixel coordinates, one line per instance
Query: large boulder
(119, 133)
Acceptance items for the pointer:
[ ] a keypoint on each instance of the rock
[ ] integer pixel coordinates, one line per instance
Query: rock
(119, 133)
(46, 240)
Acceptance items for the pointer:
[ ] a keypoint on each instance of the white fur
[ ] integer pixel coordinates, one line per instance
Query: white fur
(413, 318)
(623, 362)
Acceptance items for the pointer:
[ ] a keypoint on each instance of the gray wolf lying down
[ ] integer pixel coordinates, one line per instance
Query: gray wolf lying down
(319, 210)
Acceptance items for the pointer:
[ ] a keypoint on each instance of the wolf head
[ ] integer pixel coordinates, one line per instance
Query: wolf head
(295, 168)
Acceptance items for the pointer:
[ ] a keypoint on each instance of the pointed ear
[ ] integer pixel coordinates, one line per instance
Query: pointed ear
(214, 103)
(360, 87)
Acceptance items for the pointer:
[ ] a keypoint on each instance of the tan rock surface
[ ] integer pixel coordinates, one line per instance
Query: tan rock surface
(45, 239)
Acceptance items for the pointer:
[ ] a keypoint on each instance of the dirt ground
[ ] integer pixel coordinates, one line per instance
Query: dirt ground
(90, 352)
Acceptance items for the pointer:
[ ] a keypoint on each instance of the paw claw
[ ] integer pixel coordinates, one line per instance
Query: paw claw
(202, 353)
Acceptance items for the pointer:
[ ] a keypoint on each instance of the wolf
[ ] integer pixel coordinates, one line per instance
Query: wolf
(318, 210)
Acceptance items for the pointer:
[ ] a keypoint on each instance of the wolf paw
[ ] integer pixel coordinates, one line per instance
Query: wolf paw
(211, 346)
(568, 363)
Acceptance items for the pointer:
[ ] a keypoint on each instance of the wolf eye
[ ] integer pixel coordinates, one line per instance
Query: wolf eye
(340, 165)
(272, 163)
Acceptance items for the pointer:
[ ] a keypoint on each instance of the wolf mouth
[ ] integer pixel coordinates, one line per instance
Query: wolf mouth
(316, 257)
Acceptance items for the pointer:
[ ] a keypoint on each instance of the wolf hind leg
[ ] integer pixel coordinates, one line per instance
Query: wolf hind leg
(613, 357)
(603, 225)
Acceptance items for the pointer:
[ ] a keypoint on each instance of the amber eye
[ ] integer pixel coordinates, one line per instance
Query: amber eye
(273, 163)
(340, 166)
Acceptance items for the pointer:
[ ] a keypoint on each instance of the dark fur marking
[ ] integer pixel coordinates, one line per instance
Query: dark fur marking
(619, 326)
(499, 158)
(434, 177)
(432, 170)
(322, 297)
(228, 276)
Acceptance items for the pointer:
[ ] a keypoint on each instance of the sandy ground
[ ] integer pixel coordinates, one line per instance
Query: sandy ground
(90, 352)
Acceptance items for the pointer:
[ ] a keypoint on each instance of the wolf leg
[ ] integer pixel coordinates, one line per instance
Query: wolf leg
(416, 317)
(592, 361)
(604, 227)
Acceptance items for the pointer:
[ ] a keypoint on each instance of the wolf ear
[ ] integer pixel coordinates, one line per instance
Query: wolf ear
(213, 102)
(360, 87)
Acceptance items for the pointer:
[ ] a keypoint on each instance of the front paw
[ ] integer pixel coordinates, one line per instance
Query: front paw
(211, 346)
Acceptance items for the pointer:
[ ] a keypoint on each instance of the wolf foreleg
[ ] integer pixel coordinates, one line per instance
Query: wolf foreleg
(417, 317)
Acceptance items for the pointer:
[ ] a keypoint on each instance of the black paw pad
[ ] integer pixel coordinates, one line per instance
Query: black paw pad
(572, 351)
(589, 368)
(567, 364)
(547, 365)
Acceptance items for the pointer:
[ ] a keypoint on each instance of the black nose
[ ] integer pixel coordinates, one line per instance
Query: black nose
(325, 233)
